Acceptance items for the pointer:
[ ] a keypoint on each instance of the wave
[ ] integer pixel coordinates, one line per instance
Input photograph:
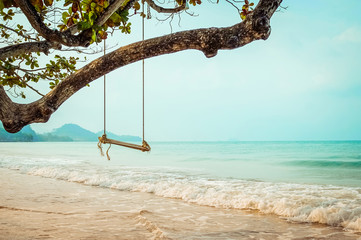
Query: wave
(326, 163)
(331, 205)
(355, 156)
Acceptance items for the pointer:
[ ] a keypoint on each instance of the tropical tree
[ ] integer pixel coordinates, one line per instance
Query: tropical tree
(58, 26)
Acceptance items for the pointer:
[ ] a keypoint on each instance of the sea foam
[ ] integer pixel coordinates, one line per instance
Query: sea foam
(331, 205)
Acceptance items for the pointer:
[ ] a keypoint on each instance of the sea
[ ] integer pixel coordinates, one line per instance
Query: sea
(304, 182)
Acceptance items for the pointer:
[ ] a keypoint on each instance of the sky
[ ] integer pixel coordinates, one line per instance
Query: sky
(303, 83)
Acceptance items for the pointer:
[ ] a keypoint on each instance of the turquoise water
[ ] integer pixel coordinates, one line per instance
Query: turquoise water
(301, 181)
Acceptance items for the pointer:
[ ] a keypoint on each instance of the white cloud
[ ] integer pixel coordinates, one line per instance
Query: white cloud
(352, 34)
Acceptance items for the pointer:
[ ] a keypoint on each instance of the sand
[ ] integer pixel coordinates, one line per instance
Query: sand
(33, 207)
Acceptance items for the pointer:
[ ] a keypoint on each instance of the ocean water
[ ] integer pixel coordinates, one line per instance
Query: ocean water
(306, 182)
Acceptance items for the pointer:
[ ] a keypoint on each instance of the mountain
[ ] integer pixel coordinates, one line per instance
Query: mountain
(48, 137)
(76, 133)
(66, 133)
(125, 138)
(79, 134)
(25, 135)
(29, 131)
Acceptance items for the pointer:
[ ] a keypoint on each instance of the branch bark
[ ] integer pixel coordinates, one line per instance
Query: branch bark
(114, 6)
(18, 49)
(65, 38)
(256, 26)
(160, 9)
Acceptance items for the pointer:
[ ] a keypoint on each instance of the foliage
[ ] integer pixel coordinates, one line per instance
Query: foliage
(246, 9)
(20, 71)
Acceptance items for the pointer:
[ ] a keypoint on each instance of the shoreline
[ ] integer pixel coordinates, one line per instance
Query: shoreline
(44, 208)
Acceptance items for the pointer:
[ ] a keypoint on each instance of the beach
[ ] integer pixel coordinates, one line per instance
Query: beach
(63, 193)
(34, 207)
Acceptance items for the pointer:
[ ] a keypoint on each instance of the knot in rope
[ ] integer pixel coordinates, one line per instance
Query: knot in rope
(102, 140)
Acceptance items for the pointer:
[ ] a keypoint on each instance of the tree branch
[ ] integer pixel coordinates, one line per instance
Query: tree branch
(65, 38)
(35, 90)
(114, 6)
(18, 33)
(18, 49)
(166, 10)
(256, 26)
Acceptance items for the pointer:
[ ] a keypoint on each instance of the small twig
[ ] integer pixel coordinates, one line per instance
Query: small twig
(234, 5)
(179, 20)
(33, 89)
(161, 2)
(281, 8)
(12, 92)
(20, 34)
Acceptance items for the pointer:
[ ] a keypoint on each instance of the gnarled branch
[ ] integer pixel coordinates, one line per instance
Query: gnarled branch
(160, 9)
(256, 26)
(65, 38)
(18, 49)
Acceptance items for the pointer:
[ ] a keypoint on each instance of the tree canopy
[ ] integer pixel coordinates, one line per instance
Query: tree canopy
(59, 26)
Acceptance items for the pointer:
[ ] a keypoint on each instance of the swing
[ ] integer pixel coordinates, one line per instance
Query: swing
(103, 139)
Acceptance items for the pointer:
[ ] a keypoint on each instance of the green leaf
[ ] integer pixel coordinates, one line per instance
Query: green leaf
(93, 5)
(2, 6)
(136, 6)
(65, 16)
(124, 16)
(84, 25)
(94, 36)
(38, 4)
(243, 16)
(106, 4)
(115, 17)
(48, 3)
(92, 17)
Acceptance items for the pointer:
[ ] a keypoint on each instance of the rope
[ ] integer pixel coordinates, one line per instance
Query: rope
(143, 64)
(108, 152)
(103, 139)
(100, 148)
(149, 16)
(104, 97)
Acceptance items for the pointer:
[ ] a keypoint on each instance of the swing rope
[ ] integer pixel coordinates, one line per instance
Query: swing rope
(103, 139)
(104, 94)
(143, 65)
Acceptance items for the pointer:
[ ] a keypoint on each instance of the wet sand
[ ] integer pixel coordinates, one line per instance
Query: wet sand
(33, 207)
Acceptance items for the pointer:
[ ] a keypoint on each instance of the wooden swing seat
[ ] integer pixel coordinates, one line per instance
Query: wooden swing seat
(144, 147)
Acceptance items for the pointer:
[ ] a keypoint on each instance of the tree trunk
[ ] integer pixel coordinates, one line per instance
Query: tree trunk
(256, 26)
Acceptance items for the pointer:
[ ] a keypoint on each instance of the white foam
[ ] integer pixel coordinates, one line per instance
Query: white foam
(335, 206)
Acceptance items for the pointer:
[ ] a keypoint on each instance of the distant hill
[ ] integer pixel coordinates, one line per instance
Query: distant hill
(76, 133)
(125, 138)
(48, 137)
(66, 133)
(25, 135)
(29, 131)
